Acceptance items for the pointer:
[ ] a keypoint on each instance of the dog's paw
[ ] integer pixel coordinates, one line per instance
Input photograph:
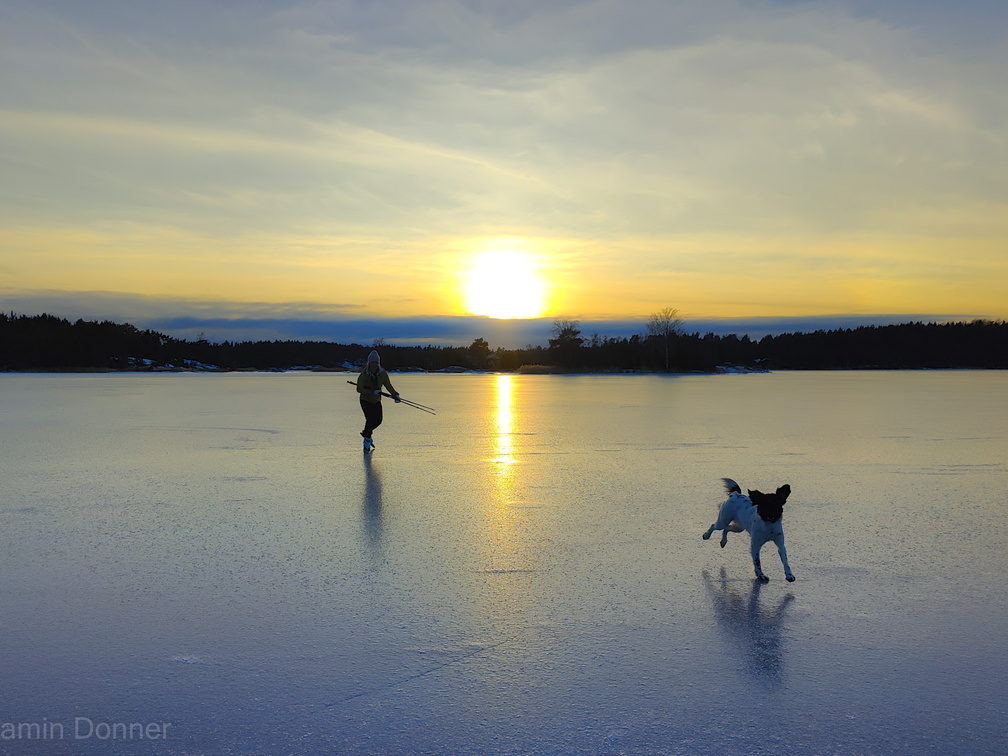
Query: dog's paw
(762, 578)
(789, 578)
(706, 536)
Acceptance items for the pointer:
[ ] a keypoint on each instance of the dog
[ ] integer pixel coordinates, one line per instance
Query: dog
(759, 514)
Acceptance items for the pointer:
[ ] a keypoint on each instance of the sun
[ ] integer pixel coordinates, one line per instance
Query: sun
(504, 284)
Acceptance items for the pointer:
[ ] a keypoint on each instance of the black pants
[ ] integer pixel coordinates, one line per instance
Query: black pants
(372, 416)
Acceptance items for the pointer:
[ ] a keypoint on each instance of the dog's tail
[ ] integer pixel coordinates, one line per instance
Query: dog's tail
(731, 486)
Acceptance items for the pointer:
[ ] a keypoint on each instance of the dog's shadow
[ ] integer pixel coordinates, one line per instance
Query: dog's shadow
(751, 627)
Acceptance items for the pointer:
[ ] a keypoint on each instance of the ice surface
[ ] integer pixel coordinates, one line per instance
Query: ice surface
(522, 573)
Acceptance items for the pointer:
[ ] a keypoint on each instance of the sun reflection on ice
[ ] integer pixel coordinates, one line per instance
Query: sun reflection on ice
(505, 426)
(503, 468)
(508, 563)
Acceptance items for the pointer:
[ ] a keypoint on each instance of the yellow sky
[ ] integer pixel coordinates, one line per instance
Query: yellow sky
(725, 277)
(733, 160)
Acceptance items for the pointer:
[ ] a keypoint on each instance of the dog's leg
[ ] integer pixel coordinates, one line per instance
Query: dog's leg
(756, 562)
(779, 540)
(719, 524)
(733, 527)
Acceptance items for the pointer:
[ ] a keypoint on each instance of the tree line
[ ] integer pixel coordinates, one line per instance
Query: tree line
(46, 342)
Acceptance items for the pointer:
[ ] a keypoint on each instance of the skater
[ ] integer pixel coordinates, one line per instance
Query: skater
(369, 386)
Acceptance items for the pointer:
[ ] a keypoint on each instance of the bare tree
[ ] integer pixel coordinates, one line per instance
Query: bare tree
(664, 324)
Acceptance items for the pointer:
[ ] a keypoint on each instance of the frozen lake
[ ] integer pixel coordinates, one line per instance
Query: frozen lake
(213, 557)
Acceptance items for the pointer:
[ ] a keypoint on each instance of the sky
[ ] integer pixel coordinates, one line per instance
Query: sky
(345, 170)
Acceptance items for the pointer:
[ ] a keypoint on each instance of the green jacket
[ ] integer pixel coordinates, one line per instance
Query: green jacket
(367, 384)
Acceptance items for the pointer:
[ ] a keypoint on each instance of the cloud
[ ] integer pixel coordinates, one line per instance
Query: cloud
(604, 117)
(307, 321)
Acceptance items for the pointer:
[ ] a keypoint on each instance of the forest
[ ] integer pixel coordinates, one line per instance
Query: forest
(49, 343)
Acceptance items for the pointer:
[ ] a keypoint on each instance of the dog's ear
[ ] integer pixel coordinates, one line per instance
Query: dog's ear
(755, 495)
(784, 491)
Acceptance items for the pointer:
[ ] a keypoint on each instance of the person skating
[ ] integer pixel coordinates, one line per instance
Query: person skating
(369, 386)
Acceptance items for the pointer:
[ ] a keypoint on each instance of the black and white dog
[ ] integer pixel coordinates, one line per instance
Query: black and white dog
(759, 514)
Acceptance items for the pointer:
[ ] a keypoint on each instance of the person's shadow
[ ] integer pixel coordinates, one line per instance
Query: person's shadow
(753, 629)
(372, 506)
